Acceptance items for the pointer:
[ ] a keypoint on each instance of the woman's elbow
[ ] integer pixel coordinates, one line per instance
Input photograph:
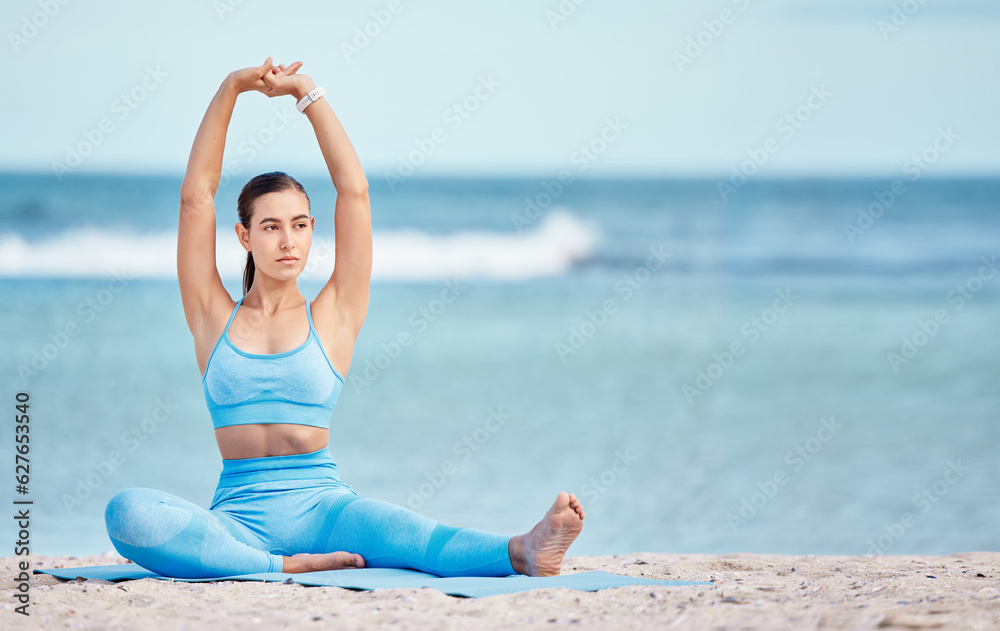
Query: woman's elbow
(355, 187)
(196, 193)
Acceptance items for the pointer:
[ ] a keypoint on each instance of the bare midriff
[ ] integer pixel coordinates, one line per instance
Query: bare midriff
(258, 440)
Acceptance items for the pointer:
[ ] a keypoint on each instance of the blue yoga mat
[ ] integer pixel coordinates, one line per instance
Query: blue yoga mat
(385, 578)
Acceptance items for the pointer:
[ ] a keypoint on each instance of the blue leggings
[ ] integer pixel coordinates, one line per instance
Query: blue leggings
(266, 508)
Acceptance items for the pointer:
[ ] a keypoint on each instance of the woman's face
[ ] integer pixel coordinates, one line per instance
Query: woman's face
(280, 234)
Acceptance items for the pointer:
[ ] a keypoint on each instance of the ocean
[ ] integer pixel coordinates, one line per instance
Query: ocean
(800, 366)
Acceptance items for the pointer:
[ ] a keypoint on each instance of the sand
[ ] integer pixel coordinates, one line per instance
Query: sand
(751, 591)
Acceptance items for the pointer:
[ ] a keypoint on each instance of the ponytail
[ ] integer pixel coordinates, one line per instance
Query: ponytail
(248, 271)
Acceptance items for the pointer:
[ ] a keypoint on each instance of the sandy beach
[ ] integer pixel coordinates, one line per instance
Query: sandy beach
(750, 591)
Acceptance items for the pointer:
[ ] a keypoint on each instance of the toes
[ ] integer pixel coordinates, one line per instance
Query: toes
(353, 560)
(564, 499)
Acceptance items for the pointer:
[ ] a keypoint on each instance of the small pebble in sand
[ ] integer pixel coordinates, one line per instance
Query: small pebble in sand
(632, 561)
(988, 593)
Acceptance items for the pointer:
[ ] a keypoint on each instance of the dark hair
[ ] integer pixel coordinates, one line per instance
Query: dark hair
(272, 182)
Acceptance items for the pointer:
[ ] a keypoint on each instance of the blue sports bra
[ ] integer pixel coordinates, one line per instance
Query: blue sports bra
(300, 386)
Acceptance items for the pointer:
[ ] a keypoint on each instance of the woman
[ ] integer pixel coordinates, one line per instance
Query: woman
(280, 505)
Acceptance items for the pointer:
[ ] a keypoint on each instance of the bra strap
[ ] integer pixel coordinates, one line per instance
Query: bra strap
(237, 308)
(309, 313)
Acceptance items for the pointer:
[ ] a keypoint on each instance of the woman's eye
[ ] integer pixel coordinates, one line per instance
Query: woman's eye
(301, 225)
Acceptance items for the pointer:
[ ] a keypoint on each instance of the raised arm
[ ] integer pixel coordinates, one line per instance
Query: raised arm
(352, 221)
(197, 273)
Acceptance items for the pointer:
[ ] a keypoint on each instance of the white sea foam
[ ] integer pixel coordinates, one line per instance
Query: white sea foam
(551, 248)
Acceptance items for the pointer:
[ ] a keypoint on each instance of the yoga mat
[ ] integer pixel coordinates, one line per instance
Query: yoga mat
(385, 578)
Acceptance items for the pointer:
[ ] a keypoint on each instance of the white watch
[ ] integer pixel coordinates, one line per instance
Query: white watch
(310, 96)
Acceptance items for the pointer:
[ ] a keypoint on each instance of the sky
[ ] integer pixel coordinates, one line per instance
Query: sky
(518, 88)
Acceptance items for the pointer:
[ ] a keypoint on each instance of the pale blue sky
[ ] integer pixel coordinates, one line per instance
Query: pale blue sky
(555, 87)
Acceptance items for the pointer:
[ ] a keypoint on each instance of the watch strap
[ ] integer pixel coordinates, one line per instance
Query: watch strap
(311, 95)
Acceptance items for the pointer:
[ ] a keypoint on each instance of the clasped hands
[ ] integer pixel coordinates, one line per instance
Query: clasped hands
(271, 80)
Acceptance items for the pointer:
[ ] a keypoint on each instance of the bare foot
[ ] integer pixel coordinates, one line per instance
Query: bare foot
(306, 562)
(540, 552)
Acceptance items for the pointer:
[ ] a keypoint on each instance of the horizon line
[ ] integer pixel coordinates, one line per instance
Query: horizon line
(674, 176)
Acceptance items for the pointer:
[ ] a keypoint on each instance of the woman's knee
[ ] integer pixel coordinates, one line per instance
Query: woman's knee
(144, 517)
(126, 500)
(121, 505)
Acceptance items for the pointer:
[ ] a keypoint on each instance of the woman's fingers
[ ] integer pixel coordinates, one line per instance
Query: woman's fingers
(282, 69)
(266, 70)
(275, 81)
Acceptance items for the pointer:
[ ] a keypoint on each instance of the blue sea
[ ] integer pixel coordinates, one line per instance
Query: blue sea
(808, 366)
